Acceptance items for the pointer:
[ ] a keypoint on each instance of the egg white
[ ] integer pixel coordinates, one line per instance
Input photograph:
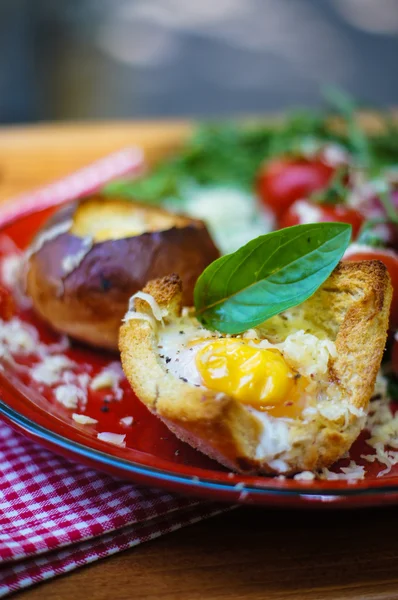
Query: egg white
(178, 346)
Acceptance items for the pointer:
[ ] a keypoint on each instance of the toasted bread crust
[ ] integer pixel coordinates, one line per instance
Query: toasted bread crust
(353, 304)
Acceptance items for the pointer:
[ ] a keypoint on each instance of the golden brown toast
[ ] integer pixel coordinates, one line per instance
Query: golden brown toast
(351, 310)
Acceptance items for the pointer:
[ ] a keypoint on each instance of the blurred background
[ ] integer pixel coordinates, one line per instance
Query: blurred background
(106, 59)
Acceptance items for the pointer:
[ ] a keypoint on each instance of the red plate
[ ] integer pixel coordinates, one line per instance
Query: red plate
(152, 454)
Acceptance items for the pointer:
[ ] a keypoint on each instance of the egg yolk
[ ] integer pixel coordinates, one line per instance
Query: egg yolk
(258, 377)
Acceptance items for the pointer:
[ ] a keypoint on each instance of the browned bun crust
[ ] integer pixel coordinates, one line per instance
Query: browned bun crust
(352, 306)
(82, 288)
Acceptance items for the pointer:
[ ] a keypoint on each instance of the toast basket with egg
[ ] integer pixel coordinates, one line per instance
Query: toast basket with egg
(289, 396)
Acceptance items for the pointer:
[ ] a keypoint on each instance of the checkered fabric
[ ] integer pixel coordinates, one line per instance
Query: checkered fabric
(56, 515)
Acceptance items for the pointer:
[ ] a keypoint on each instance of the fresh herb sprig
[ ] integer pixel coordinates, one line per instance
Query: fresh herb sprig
(268, 275)
(216, 154)
(230, 153)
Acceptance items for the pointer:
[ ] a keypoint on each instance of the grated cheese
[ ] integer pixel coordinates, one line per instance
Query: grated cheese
(11, 269)
(305, 476)
(70, 395)
(50, 370)
(383, 428)
(334, 411)
(127, 421)
(17, 337)
(157, 312)
(83, 419)
(307, 353)
(130, 316)
(389, 458)
(109, 377)
(106, 379)
(351, 473)
(83, 380)
(57, 347)
(116, 439)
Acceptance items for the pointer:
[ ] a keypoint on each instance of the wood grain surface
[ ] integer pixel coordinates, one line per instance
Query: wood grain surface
(247, 553)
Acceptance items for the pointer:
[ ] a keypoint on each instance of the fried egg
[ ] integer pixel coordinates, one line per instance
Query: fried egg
(275, 378)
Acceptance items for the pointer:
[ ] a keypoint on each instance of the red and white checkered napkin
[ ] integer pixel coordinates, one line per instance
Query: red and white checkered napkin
(56, 515)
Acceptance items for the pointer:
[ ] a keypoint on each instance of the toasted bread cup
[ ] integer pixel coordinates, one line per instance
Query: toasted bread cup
(349, 313)
(88, 260)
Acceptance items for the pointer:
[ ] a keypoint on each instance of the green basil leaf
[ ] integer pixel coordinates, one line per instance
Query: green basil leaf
(268, 275)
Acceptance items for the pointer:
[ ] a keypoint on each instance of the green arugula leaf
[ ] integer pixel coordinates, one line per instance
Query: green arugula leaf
(222, 154)
(230, 153)
(268, 275)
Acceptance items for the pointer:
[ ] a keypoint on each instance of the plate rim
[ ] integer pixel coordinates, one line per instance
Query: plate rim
(128, 466)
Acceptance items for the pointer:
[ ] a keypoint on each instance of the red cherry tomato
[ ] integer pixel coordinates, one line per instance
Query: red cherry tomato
(304, 211)
(282, 181)
(390, 259)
